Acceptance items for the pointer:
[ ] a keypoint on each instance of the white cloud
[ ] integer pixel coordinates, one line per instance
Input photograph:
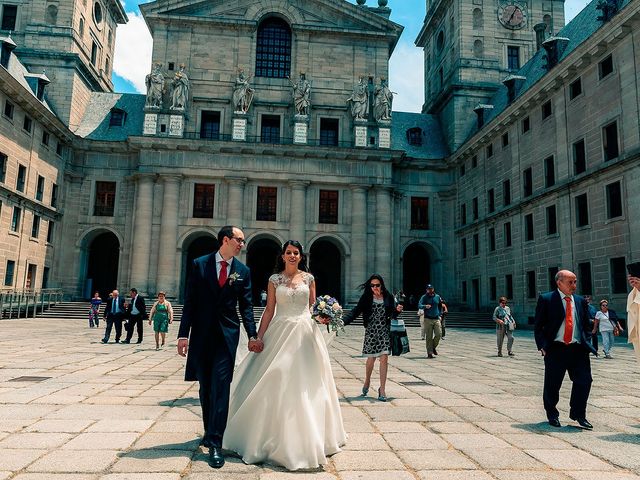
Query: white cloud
(133, 51)
(406, 77)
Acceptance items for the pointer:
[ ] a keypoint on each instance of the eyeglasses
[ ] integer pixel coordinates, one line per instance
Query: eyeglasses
(241, 241)
(375, 285)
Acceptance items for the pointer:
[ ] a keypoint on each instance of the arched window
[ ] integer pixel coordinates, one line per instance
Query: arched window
(549, 21)
(478, 49)
(477, 19)
(51, 15)
(273, 51)
(414, 136)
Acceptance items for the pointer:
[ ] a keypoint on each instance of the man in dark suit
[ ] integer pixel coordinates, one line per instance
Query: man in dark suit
(136, 313)
(563, 337)
(114, 312)
(210, 330)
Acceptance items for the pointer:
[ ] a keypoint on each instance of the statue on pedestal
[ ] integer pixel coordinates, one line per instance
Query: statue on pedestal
(301, 94)
(155, 87)
(383, 102)
(180, 93)
(242, 93)
(359, 100)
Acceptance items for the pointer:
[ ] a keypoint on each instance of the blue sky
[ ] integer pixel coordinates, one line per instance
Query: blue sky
(132, 64)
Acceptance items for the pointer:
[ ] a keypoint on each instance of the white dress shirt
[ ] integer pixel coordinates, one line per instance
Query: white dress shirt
(576, 320)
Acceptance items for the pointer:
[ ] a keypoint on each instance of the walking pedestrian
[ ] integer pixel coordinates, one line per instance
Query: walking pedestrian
(505, 325)
(94, 310)
(161, 315)
(432, 305)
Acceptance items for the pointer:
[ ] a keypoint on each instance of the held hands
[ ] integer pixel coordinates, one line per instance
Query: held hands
(183, 347)
(255, 345)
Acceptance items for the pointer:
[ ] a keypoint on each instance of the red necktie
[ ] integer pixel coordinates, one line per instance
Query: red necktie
(568, 322)
(223, 273)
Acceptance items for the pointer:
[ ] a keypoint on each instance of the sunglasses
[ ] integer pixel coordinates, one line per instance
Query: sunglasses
(375, 285)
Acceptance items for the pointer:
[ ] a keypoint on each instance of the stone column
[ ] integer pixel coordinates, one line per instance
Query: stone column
(141, 225)
(359, 271)
(167, 276)
(383, 234)
(235, 200)
(297, 222)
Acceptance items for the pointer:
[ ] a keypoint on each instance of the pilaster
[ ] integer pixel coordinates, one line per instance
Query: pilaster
(383, 233)
(297, 229)
(235, 200)
(166, 279)
(139, 258)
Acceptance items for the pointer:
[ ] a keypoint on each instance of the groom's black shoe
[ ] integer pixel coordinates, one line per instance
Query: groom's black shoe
(216, 459)
(583, 422)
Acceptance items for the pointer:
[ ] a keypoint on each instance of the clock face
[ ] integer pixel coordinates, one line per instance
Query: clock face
(512, 15)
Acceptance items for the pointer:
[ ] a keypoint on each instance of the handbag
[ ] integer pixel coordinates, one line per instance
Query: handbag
(399, 343)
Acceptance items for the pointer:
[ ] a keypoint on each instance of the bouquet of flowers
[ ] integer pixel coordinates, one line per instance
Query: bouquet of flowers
(328, 307)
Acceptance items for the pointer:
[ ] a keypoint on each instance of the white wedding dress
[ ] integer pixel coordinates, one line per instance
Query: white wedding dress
(284, 406)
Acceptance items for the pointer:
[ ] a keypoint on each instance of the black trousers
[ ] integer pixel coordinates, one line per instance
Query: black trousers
(135, 321)
(215, 382)
(115, 319)
(560, 359)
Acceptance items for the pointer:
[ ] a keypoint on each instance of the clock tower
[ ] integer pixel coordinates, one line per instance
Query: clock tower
(470, 46)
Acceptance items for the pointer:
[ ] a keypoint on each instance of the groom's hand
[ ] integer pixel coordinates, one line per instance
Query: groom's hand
(183, 346)
(256, 345)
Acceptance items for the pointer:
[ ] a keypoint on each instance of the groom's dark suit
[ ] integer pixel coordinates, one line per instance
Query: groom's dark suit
(211, 323)
(560, 357)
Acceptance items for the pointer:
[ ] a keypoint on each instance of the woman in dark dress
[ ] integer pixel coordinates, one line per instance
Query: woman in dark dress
(377, 307)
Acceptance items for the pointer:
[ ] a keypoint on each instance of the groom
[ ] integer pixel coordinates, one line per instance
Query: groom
(217, 283)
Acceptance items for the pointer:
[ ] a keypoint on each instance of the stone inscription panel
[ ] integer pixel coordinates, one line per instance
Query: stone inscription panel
(150, 124)
(176, 125)
(384, 138)
(300, 133)
(361, 136)
(240, 129)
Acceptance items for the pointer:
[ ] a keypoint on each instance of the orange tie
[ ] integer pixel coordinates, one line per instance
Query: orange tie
(223, 273)
(568, 322)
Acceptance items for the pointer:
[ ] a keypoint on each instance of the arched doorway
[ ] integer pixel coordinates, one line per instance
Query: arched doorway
(416, 272)
(325, 263)
(261, 259)
(201, 245)
(102, 268)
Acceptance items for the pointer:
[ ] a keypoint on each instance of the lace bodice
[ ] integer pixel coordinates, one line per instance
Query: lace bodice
(292, 297)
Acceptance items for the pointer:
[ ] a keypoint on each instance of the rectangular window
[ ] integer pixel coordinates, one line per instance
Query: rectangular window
(508, 284)
(464, 291)
(463, 214)
(546, 109)
(493, 288)
(492, 239)
(22, 175)
(40, 188)
(507, 234)
(59, 148)
(527, 182)
(210, 125)
(203, 196)
(610, 141)
(105, 200)
(45, 277)
(528, 227)
(552, 224)
(463, 248)
(8, 274)
(329, 131)
(463, 170)
(614, 200)
(27, 124)
(505, 139)
(328, 206)
(506, 192)
(419, 213)
(94, 53)
(618, 275)
(549, 172)
(45, 138)
(32, 270)
(582, 210)
(35, 226)
(605, 67)
(490, 151)
(579, 157)
(531, 284)
(270, 129)
(15, 219)
(474, 208)
(267, 204)
(474, 160)
(476, 244)
(50, 228)
(551, 272)
(3, 167)
(54, 195)
(513, 58)
(575, 88)
(491, 200)
(584, 278)
(526, 125)
(8, 109)
(9, 15)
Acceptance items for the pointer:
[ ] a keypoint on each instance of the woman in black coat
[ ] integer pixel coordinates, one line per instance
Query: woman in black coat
(377, 307)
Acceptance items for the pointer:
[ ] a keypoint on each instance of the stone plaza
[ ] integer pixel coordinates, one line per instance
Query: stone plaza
(72, 408)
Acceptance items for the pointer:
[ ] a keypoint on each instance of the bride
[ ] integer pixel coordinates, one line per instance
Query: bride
(284, 406)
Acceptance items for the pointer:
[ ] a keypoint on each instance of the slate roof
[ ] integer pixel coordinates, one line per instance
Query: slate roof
(95, 122)
(433, 146)
(583, 25)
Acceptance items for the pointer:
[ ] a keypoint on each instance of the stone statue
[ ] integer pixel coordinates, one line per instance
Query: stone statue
(383, 102)
(242, 93)
(180, 93)
(359, 100)
(155, 87)
(301, 93)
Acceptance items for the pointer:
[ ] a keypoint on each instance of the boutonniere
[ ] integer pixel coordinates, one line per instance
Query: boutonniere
(233, 277)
